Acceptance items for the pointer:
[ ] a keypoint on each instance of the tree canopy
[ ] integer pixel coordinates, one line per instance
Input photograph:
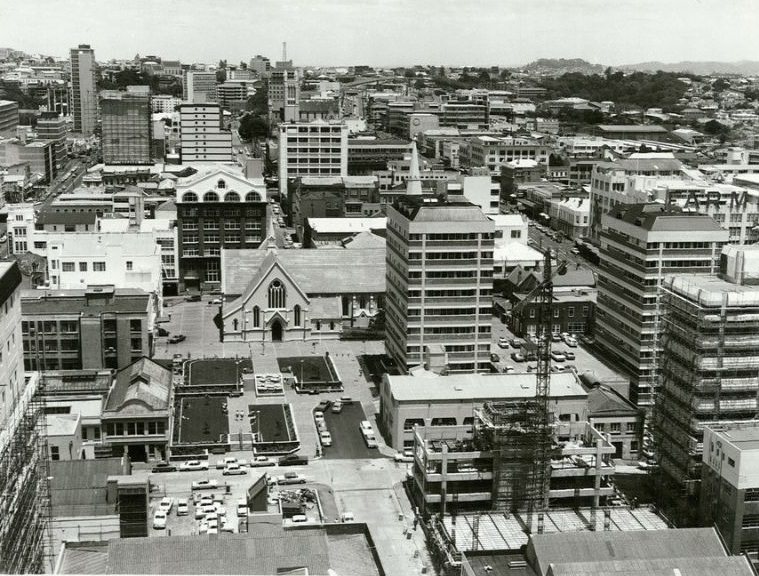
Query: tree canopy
(662, 90)
(253, 126)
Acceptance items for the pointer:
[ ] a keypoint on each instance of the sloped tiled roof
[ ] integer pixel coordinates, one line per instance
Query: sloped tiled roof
(603, 400)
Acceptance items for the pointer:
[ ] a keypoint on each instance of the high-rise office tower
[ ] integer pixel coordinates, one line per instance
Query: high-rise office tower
(84, 102)
(127, 126)
(199, 87)
(52, 126)
(203, 137)
(439, 281)
(640, 244)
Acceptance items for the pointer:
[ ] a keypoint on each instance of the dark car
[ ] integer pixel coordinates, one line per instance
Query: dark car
(193, 298)
(162, 331)
(176, 338)
(163, 467)
(495, 358)
(323, 405)
(293, 460)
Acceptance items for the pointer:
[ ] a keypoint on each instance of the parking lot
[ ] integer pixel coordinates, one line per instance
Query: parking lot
(347, 441)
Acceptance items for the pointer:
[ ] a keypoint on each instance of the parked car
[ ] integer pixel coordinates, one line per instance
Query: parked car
(517, 343)
(319, 416)
(346, 400)
(183, 508)
(555, 337)
(193, 298)
(557, 356)
(259, 461)
(405, 456)
(322, 406)
(234, 469)
(571, 342)
(289, 478)
(242, 508)
(159, 520)
(503, 343)
(227, 526)
(517, 357)
(495, 357)
(163, 467)
(325, 438)
(347, 517)
(207, 484)
(191, 465)
(199, 513)
(370, 441)
(177, 338)
(508, 369)
(167, 503)
(569, 355)
(366, 426)
(558, 368)
(162, 331)
(221, 464)
(293, 460)
(337, 407)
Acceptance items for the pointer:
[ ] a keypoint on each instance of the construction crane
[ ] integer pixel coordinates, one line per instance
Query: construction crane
(533, 417)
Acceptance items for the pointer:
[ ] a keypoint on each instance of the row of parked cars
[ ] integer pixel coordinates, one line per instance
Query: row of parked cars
(230, 465)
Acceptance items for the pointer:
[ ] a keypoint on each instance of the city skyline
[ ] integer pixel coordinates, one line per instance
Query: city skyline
(390, 33)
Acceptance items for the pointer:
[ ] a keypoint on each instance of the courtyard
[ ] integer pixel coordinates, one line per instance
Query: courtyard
(202, 419)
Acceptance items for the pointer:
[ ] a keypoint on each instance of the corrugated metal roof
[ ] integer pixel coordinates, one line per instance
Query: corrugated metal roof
(699, 566)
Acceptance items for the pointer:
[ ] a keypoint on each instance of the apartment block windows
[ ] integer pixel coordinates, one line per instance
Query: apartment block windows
(98, 266)
(67, 266)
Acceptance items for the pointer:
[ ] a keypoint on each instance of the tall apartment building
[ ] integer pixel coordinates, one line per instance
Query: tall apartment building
(52, 126)
(315, 149)
(730, 485)
(91, 328)
(8, 117)
(709, 365)
(439, 280)
(84, 103)
(199, 87)
(127, 127)
(284, 92)
(640, 244)
(216, 208)
(202, 134)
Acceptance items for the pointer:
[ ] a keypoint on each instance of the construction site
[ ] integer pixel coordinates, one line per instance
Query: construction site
(709, 368)
(24, 486)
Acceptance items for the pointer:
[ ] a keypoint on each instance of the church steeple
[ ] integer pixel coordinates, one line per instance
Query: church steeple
(414, 182)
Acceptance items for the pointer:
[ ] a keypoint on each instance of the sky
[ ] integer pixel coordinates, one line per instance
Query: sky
(389, 32)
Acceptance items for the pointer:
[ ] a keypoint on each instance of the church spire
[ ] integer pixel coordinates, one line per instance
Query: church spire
(414, 182)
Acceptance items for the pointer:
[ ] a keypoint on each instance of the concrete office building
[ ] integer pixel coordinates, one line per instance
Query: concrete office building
(439, 280)
(228, 93)
(91, 328)
(261, 65)
(11, 367)
(492, 151)
(8, 117)
(52, 126)
(730, 485)
(284, 92)
(708, 366)
(127, 129)
(216, 208)
(38, 156)
(199, 87)
(640, 244)
(313, 149)
(84, 103)
(202, 134)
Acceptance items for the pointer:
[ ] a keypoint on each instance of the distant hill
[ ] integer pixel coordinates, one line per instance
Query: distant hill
(559, 66)
(743, 67)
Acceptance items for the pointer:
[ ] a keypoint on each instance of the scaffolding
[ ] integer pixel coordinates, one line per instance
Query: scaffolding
(25, 543)
(708, 375)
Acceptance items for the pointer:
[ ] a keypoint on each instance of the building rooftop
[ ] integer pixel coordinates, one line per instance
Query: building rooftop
(603, 400)
(515, 252)
(144, 384)
(429, 387)
(315, 271)
(346, 225)
(709, 291)
(507, 220)
(697, 566)
(78, 487)
(545, 550)
(61, 424)
(124, 300)
(649, 128)
(660, 218)
(49, 218)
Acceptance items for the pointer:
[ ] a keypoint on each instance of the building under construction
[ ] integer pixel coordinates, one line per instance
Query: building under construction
(24, 478)
(709, 370)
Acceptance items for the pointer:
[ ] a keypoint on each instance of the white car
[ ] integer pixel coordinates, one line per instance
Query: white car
(191, 465)
(326, 438)
(558, 356)
(159, 520)
(405, 456)
(227, 526)
(234, 469)
(207, 484)
(221, 464)
(319, 416)
(242, 508)
(166, 504)
(258, 461)
(503, 342)
(183, 508)
(337, 407)
(199, 513)
(571, 341)
(288, 478)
